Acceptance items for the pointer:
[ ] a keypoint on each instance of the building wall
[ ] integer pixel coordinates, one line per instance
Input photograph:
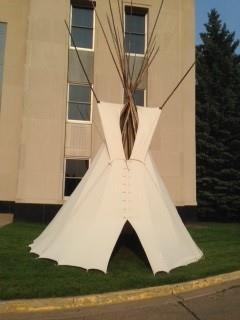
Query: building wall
(174, 142)
(15, 14)
(34, 135)
(43, 125)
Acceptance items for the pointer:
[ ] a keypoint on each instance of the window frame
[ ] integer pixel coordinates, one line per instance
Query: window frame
(145, 29)
(64, 172)
(93, 29)
(91, 103)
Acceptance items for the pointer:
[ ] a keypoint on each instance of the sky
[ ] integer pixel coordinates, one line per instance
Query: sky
(229, 11)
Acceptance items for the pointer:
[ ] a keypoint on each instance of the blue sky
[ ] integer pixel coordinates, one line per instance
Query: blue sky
(229, 11)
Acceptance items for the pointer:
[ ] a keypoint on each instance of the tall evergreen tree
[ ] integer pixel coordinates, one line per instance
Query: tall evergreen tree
(218, 121)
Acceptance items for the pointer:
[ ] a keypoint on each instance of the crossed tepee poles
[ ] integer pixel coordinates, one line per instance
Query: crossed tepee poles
(120, 55)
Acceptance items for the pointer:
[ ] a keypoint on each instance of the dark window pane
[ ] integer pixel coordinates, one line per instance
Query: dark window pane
(70, 185)
(79, 106)
(82, 37)
(83, 166)
(82, 17)
(78, 111)
(139, 97)
(79, 93)
(3, 28)
(135, 43)
(76, 168)
(135, 23)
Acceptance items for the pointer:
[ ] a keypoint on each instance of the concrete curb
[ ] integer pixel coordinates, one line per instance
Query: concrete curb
(71, 303)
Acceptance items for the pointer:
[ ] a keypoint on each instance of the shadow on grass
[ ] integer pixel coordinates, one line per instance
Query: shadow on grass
(129, 240)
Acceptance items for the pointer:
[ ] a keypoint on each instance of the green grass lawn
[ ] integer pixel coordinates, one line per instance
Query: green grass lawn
(22, 275)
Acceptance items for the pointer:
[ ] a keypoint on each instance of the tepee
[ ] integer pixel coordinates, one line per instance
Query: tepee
(122, 185)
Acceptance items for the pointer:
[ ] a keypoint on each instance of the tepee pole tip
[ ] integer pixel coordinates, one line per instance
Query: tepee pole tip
(178, 85)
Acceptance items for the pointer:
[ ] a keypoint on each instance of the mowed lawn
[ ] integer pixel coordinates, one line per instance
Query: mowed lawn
(23, 275)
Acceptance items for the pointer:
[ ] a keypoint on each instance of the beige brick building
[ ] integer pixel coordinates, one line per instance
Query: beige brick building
(49, 128)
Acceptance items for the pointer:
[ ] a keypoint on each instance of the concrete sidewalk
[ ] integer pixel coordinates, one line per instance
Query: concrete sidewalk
(221, 302)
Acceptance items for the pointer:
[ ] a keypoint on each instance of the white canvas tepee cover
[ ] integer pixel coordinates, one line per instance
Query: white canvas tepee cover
(114, 191)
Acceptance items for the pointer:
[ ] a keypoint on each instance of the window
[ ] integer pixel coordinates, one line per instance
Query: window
(135, 24)
(75, 170)
(82, 24)
(79, 102)
(139, 97)
(3, 28)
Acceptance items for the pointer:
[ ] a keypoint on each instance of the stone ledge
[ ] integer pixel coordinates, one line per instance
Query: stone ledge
(5, 218)
(78, 302)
